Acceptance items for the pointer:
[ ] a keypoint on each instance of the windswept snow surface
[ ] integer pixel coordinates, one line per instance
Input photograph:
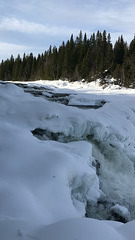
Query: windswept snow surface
(47, 187)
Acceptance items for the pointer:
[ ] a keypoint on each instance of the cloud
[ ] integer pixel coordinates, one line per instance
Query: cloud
(23, 26)
(8, 49)
(37, 24)
(62, 18)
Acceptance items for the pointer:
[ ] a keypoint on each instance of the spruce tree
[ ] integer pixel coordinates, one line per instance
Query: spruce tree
(16, 67)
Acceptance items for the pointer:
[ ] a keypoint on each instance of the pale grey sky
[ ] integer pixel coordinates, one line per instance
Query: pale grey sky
(32, 25)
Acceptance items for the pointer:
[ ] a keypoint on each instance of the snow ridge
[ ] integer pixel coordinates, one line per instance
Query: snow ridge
(81, 162)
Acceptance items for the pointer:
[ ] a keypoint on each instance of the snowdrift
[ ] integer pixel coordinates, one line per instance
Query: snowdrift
(66, 151)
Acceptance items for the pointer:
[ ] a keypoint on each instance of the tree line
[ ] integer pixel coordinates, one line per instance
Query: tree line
(80, 58)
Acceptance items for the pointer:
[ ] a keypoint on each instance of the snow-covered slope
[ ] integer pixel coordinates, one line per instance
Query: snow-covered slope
(66, 150)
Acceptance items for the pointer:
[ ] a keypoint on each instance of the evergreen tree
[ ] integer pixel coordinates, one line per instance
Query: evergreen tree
(33, 69)
(65, 69)
(84, 57)
(16, 67)
(2, 70)
(131, 62)
(54, 62)
(119, 51)
(61, 54)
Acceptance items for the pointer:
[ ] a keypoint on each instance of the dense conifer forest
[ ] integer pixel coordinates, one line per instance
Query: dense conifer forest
(80, 58)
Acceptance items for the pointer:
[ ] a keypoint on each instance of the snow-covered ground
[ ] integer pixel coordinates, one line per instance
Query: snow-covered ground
(67, 150)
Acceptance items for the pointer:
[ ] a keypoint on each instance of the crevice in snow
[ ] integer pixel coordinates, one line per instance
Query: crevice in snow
(113, 167)
(96, 164)
(67, 99)
(104, 209)
(45, 134)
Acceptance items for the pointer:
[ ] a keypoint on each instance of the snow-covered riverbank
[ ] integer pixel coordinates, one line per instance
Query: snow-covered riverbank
(66, 150)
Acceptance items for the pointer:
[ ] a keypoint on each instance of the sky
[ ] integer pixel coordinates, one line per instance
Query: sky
(33, 25)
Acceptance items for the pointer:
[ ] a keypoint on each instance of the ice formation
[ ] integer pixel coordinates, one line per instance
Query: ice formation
(61, 162)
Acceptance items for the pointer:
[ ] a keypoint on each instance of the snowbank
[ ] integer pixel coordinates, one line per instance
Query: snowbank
(47, 185)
